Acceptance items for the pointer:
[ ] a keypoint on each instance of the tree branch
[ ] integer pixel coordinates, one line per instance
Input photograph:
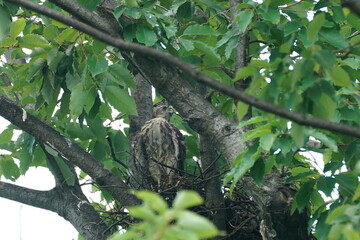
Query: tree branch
(27, 196)
(198, 75)
(68, 150)
(69, 202)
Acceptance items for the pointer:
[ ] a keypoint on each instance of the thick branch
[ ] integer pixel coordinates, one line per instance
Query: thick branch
(35, 198)
(66, 201)
(68, 150)
(199, 76)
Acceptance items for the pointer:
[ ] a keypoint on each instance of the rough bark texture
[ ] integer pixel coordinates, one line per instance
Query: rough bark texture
(144, 105)
(214, 198)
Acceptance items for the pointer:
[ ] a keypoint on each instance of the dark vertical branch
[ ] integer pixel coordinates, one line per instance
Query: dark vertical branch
(241, 51)
(143, 98)
(214, 199)
(241, 54)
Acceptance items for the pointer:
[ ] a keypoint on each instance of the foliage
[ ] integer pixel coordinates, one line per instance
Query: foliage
(303, 55)
(161, 222)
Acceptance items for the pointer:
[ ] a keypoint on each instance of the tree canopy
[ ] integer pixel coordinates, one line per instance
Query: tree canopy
(258, 87)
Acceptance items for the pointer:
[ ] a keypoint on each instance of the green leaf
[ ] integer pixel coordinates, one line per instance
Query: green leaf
(297, 133)
(187, 44)
(329, 111)
(270, 14)
(89, 4)
(200, 30)
(170, 31)
(257, 171)
(76, 131)
(291, 27)
(242, 109)
(200, 225)
(142, 212)
(244, 19)
(211, 56)
(231, 45)
(155, 201)
(32, 41)
(26, 152)
(340, 77)
(145, 35)
(302, 197)
(326, 140)
(353, 21)
(38, 157)
(68, 35)
(50, 32)
(267, 141)
(338, 14)
(54, 58)
(326, 184)
(256, 132)
(325, 58)
(8, 168)
(336, 213)
(17, 27)
(68, 175)
(242, 163)
(98, 46)
(252, 120)
(348, 183)
(185, 11)
(120, 99)
(77, 100)
(228, 34)
(186, 199)
(6, 135)
(314, 26)
(5, 22)
(121, 75)
(334, 37)
(35, 68)
(244, 72)
(97, 66)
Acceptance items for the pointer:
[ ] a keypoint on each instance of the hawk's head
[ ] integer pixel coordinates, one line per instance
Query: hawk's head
(162, 111)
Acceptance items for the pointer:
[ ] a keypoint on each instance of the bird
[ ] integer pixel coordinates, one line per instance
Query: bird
(158, 152)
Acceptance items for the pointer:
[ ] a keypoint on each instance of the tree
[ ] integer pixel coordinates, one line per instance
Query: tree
(255, 85)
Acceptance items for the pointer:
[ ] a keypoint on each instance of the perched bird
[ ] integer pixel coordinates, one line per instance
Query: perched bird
(158, 153)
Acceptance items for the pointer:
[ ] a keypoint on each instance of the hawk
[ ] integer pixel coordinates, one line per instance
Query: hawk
(158, 152)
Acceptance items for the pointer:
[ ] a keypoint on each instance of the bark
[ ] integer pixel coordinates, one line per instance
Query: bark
(214, 198)
(144, 105)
